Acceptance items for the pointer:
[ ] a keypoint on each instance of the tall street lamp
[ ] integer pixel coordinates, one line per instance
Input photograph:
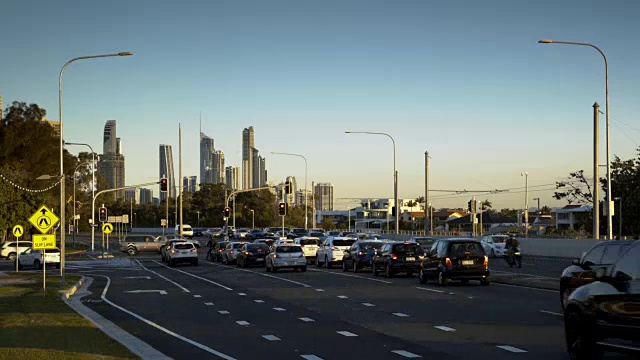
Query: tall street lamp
(395, 174)
(93, 190)
(74, 201)
(253, 219)
(606, 87)
(306, 215)
(526, 203)
(619, 198)
(62, 182)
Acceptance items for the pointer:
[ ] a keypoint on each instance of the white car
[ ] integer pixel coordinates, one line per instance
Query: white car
(494, 245)
(184, 251)
(9, 249)
(187, 231)
(34, 258)
(332, 251)
(286, 256)
(309, 246)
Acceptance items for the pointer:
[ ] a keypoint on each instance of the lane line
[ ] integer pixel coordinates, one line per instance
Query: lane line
(224, 312)
(346, 333)
(524, 274)
(165, 330)
(349, 275)
(511, 349)
(242, 322)
(551, 313)
(310, 357)
(196, 276)
(163, 277)
(259, 301)
(445, 328)
(197, 296)
(209, 303)
(242, 294)
(279, 309)
(137, 277)
(400, 315)
(406, 354)
(343, 297)
(271, 337)
(368, 304)
(525, 287)
(306, 319)
(427, 289)
(257, 273)
(319, 290)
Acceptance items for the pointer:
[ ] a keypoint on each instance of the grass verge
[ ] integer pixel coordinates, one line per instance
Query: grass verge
(35, 325)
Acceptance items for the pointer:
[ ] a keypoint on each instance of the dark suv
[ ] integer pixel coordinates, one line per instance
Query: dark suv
(218, 250)
(455, 259)
(360, 254)
(252, 254)
(583, 270)
(397, 257)
(604, 314)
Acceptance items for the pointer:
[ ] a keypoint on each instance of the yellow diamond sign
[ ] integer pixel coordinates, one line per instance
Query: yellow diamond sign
(44, 219)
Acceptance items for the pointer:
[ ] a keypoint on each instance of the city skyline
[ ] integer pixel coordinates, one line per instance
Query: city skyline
(111, 163)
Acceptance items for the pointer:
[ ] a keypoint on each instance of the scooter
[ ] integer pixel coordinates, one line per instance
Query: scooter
(514, 258)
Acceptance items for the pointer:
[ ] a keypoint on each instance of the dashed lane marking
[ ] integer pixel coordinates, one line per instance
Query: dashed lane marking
(343, 297)
(346, 333)
(209, 303)
(242, 294)
(197, 296)
(259, 301)
(163, 277)
(279, 309)
(271, 337)
(319, 290)
(352, 276)
(525, 287)
(406, 354)
(400, 314)
(306, 319)
(445, 328)
(137, 277)
(196, 276)
(511, 349)
(368, 304)
(310, 357)
(427, 289)
(260, 274)
(551, 313)
(224, 312)
(242, 322)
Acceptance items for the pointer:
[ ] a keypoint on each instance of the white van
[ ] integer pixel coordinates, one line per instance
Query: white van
(187, 231)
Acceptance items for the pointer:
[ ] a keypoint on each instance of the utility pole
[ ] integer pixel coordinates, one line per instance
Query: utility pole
(180, 170)
(596, 173)
(427, 224)
(313, 202)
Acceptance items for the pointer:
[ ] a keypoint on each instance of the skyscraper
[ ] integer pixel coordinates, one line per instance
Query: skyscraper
(146, 196)
(323, 194)
(111, 162)
(247, 157)
(189, 183)
(291, 197)
(232, 177)
(218, 171)
(166, 170)
(263, 171)
(206, 159)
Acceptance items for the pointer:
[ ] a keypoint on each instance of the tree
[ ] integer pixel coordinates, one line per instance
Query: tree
(327, 223)
(509, 213)
(573, 189)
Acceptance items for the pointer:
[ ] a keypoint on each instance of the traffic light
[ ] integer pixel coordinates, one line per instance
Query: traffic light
(282, 209)
(470, 205)
(227, 212)
(163, 185)
(103, 214)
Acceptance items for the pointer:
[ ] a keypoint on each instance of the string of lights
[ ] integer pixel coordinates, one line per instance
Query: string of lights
(20, 187)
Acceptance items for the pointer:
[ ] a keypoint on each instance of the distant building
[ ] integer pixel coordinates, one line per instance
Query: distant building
(111, 162)
(323, 195)
(132, 194)
(300, 198)
(293, 188)
(146, 196)
(206, 159)
(190, 183)
(156, 201)
(247, 157)
(166, 170)
(218, 170)
(232, 175)
(55, 124)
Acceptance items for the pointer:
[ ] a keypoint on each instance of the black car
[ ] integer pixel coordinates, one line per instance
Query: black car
(216, 254)
(455, 259)
(583, 271)
(198, 231)
(360, 254)
(252, 254)
(296, 233)
(393, 258)
(604, 315)
(267, 241)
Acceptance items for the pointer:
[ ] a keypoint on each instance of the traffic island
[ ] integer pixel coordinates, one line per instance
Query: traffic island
(36, 324)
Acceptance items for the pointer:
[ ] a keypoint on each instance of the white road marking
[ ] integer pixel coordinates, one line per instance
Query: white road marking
(511, 349)
(343, 297)
(319, 290)
(271, 337)
(400, 314)
(161, 292)
(223, 312)
(165, 330)
(197, 277)
(346, 333)
(406, 354)
(209, 303)
(306, 319)
(261, 274)
(525, 274)
(242, 322)
(445, 328)
(137, 277)
(259, 301)
(279, 309)
(163, 277)
(551, 313)
(427, 289)
(310, 357)
(353, 276)
(525, 287)
(242, 294)
(368, 304)
(197, 296)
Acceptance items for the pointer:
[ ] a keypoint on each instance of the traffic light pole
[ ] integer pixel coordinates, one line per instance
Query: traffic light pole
(233, 193)
(93, 220)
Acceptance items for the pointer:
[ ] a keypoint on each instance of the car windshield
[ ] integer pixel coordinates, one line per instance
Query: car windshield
(424, 241)
(257, 247)
(465, 248)
(345, 242)
(288, 249)
(237, 246)
(371, 246)
(406, 248)
(309, 241)
(316, 234)
(183, 246)
(499, 239)
(299, 231)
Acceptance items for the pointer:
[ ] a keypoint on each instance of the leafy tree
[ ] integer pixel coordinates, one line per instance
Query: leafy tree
(510, 213)
(573, 190)
(327, 223)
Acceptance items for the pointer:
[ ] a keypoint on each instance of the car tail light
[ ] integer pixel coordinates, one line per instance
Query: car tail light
(275, 255)
(448, 263)
(194, 250)
(220, 250)
(230, 251)
(246, 253)
(421, 257)
(486, 261)
(361, 253)
(174, 251)
(394, 257)
(334, 248)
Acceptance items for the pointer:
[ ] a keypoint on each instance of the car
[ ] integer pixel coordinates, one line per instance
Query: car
(187, 231)
(333, 233)
(252, 254)
(316, 234)
(297, 232)
(256, 234)
(349, 234)
(230, 253)
(133, 244)
(372, 237)
(218, 250)
(425, 242)
(275, 229)
(309, 246)
(360, 254)
(268, 242)
(603, 315)
(166, 248)
(461, 259)
(332, 250)
(198, 231)
(241, 234)
(213, 233)
(396, 257)
(182, 251)
(286, 256)
(495, 245)
(11, 248)
(34, 258)
(583, 270)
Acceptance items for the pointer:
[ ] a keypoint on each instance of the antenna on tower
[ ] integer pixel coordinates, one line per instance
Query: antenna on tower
(200, 124)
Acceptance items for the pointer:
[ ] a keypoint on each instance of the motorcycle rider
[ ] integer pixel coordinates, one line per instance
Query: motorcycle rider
(513, 245)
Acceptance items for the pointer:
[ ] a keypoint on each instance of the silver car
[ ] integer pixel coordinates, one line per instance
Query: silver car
(230, 254)
(286, 256)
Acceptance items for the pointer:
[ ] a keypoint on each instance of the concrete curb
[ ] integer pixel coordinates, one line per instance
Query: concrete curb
(135, 345)
(69, 292)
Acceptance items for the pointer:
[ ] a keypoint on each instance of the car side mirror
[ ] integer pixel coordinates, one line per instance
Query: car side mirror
(575, 262)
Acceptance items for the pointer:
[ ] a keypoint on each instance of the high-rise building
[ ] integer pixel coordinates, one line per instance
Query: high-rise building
(207, 166)
(146, 196)
(263, 171)
(259, 169)
(323, 194)
(54, 124)
(166, 170)
(132, 194)
(218, 167)
(190, 183)
(247, 157)
(300, 198)
(291, 197)
(232, 175)
(111, 162)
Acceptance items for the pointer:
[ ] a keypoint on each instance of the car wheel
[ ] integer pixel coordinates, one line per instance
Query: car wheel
(344, 266)
(327, 263)
(12, 256)
(195, 263)
(580, 344)
(303, 269)
(564, 296)
(355, 267)
(318, 263)
(37, 265)
(421, 277)
(493, 253)
(485, 282)
(374, 269)
(442, 281)
(388, 272)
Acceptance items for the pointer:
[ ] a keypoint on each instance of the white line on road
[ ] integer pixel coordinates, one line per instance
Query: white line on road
(551, 313)
(242, 294)
(511, 349)
(257, 273)
(427, 289)
(223, 312)
(343, 297)
(306, 319)
(279, 309)
(242, 322)
(310, 357)
(259, 301)
(164, 277)
(346, 333)
(406, 354)
(445, 328)
(137, 277)
(209, 303)
(319, 290)
(197, 296)
(525, 287)
(161, 292)
(271, 337)
(368, 304)
(400, 314)
(353, 276)
(165, 330)
(196, 276)
(523, 274)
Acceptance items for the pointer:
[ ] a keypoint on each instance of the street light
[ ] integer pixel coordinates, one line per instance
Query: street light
(93, 190)
(306, 220)
(74, 201)
(619, 198)
(253, 219)
(526, 203)
(62, 193)
(395, 173)
(606, 87)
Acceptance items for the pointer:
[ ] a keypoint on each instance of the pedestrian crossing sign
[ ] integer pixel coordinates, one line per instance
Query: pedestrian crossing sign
(44, 219)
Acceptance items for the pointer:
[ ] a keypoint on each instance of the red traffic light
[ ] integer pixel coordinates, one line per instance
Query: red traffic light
(163, 184)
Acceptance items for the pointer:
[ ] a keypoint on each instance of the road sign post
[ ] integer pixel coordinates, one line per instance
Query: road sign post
(17, 232)
(107, 228)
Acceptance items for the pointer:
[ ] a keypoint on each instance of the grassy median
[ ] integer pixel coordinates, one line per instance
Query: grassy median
(38, 326)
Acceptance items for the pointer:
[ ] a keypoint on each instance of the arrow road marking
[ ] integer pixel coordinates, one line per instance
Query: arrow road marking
(162, 292)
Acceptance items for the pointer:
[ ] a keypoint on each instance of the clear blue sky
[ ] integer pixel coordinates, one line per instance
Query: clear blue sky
(465, 80)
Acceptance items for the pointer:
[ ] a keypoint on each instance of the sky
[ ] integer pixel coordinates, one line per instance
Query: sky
(464, 80)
